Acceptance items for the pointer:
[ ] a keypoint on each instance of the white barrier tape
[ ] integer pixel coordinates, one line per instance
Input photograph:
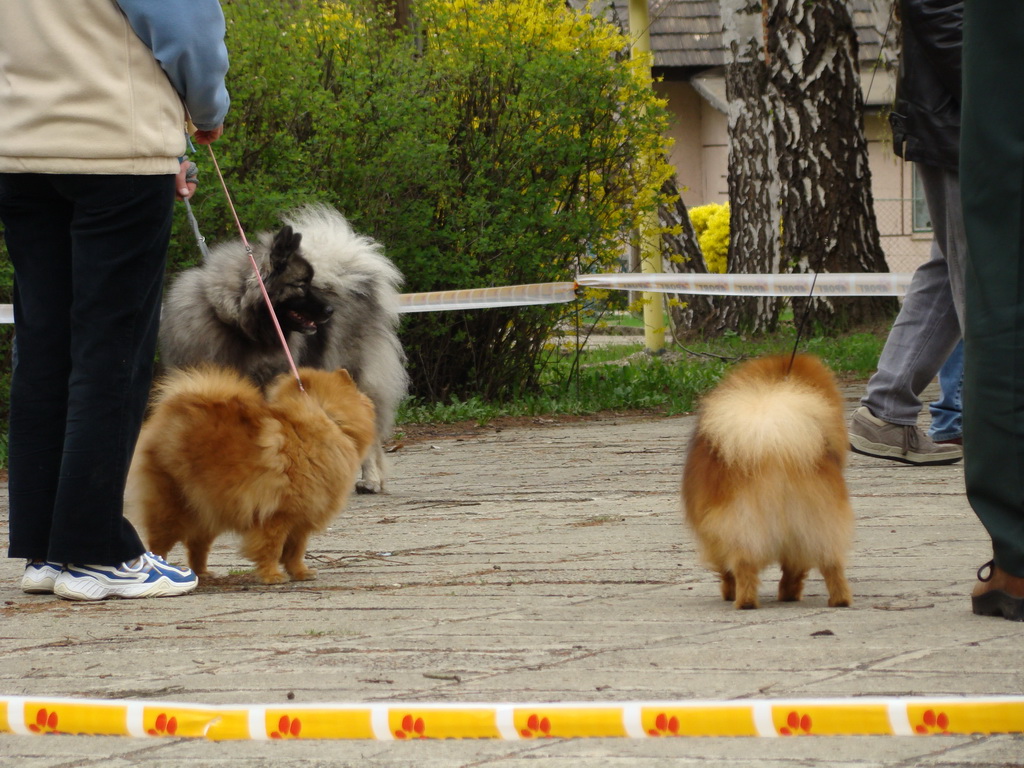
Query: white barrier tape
(480, 298)
(827, 284)
(771, 718)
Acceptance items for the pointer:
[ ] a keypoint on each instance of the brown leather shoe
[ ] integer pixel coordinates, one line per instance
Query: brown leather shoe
(998, 594)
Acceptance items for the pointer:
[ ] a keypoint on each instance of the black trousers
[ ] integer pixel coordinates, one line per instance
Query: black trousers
(89, 254)
(992, 188)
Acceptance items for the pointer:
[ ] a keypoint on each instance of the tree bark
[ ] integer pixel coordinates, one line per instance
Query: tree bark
(826, 204)
(799, 179)
(688, 314)
(753, 178)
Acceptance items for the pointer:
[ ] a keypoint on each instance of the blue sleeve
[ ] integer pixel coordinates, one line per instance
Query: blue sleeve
(187, 38)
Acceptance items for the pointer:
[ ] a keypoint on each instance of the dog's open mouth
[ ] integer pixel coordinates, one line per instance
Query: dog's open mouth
(304, 324)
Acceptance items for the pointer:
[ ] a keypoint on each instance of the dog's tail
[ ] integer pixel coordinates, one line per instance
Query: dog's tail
(763, 415)
(206, 381)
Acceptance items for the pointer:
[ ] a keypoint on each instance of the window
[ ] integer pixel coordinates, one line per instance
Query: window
(921, 222)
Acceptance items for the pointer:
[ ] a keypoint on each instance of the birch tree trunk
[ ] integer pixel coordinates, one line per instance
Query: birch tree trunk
(753, 180)
(799, 180)
(826, 204)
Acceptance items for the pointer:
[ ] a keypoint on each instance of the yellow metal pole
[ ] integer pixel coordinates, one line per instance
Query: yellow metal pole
(650, 240)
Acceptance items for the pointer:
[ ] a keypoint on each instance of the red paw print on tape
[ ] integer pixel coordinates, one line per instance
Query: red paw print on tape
(287, 728)
(664, 726)
(412, 728)
(537, 727)
(46, 722)
(933, 722)
(796, 725)
(164, 726)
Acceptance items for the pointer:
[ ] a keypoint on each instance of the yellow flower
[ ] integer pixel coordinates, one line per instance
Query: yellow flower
(711, 226)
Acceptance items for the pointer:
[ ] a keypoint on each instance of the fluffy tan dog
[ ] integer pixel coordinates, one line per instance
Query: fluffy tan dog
(216, 456)
(763, 481)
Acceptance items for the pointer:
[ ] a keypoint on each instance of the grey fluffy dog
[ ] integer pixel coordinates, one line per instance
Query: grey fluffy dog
(335, 295)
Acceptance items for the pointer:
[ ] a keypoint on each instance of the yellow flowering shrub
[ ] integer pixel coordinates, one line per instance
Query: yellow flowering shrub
(711, 226)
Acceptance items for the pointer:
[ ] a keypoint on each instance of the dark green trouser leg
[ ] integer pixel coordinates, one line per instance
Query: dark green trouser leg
(992, 185)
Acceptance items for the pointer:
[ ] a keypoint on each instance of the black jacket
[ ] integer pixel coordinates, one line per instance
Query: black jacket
(926, 116)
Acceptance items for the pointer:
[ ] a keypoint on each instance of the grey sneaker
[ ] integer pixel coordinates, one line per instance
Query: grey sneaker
(900, 442)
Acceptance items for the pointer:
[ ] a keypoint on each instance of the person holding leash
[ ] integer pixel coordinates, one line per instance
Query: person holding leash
(992, 170)
(93, 112)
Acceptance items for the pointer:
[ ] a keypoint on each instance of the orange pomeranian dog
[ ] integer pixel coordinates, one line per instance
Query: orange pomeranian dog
(216, 456)
(763, 481)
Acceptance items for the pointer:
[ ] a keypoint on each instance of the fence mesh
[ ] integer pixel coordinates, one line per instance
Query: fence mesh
(906, 238)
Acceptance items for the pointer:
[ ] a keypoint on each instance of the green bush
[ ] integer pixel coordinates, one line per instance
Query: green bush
(503, 143)
(500, 143)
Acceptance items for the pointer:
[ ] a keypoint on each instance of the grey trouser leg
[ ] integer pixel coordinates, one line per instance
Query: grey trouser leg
(928, 327)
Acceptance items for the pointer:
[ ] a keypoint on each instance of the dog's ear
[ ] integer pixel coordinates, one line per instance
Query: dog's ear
(286, 244)
(344, 375)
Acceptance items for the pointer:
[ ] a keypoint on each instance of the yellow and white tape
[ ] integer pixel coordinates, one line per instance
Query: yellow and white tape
(907, 716)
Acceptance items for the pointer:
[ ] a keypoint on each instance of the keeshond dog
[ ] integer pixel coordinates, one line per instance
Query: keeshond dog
(335, 294)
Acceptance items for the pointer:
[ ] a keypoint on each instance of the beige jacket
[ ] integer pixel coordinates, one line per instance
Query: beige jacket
(81, 93)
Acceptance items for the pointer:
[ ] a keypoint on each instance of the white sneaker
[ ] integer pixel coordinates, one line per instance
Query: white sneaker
(39, 577)
(146, 576)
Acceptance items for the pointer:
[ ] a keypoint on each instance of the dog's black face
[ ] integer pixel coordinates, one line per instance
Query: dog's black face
(300, 308)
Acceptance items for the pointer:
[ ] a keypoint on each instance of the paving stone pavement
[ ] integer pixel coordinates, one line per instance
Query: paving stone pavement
(539, 563)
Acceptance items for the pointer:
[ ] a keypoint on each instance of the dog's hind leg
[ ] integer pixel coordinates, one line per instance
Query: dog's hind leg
(264, 546)
(747, 582)
(198, 546)
(293, 557)
(839, 595)
(791, 585)
(372, 480)
(728, 585)
(165, 513)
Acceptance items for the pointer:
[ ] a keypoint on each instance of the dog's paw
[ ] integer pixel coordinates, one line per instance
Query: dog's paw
(272, 577)
(368, 486)
(305, 574)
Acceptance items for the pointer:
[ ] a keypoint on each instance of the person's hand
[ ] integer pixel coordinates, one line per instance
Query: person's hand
(208, 137)
(186, 180)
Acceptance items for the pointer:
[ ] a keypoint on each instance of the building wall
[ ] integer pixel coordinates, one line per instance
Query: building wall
(700, 150)
(700, 154)
(715, 137)
(892, 184)
(688, 152)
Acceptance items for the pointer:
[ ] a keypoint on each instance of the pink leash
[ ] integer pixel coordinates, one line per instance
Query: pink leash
(256, 269)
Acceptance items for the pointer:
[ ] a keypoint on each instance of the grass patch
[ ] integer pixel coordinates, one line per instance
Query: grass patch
(622, 377)
(616, 320)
